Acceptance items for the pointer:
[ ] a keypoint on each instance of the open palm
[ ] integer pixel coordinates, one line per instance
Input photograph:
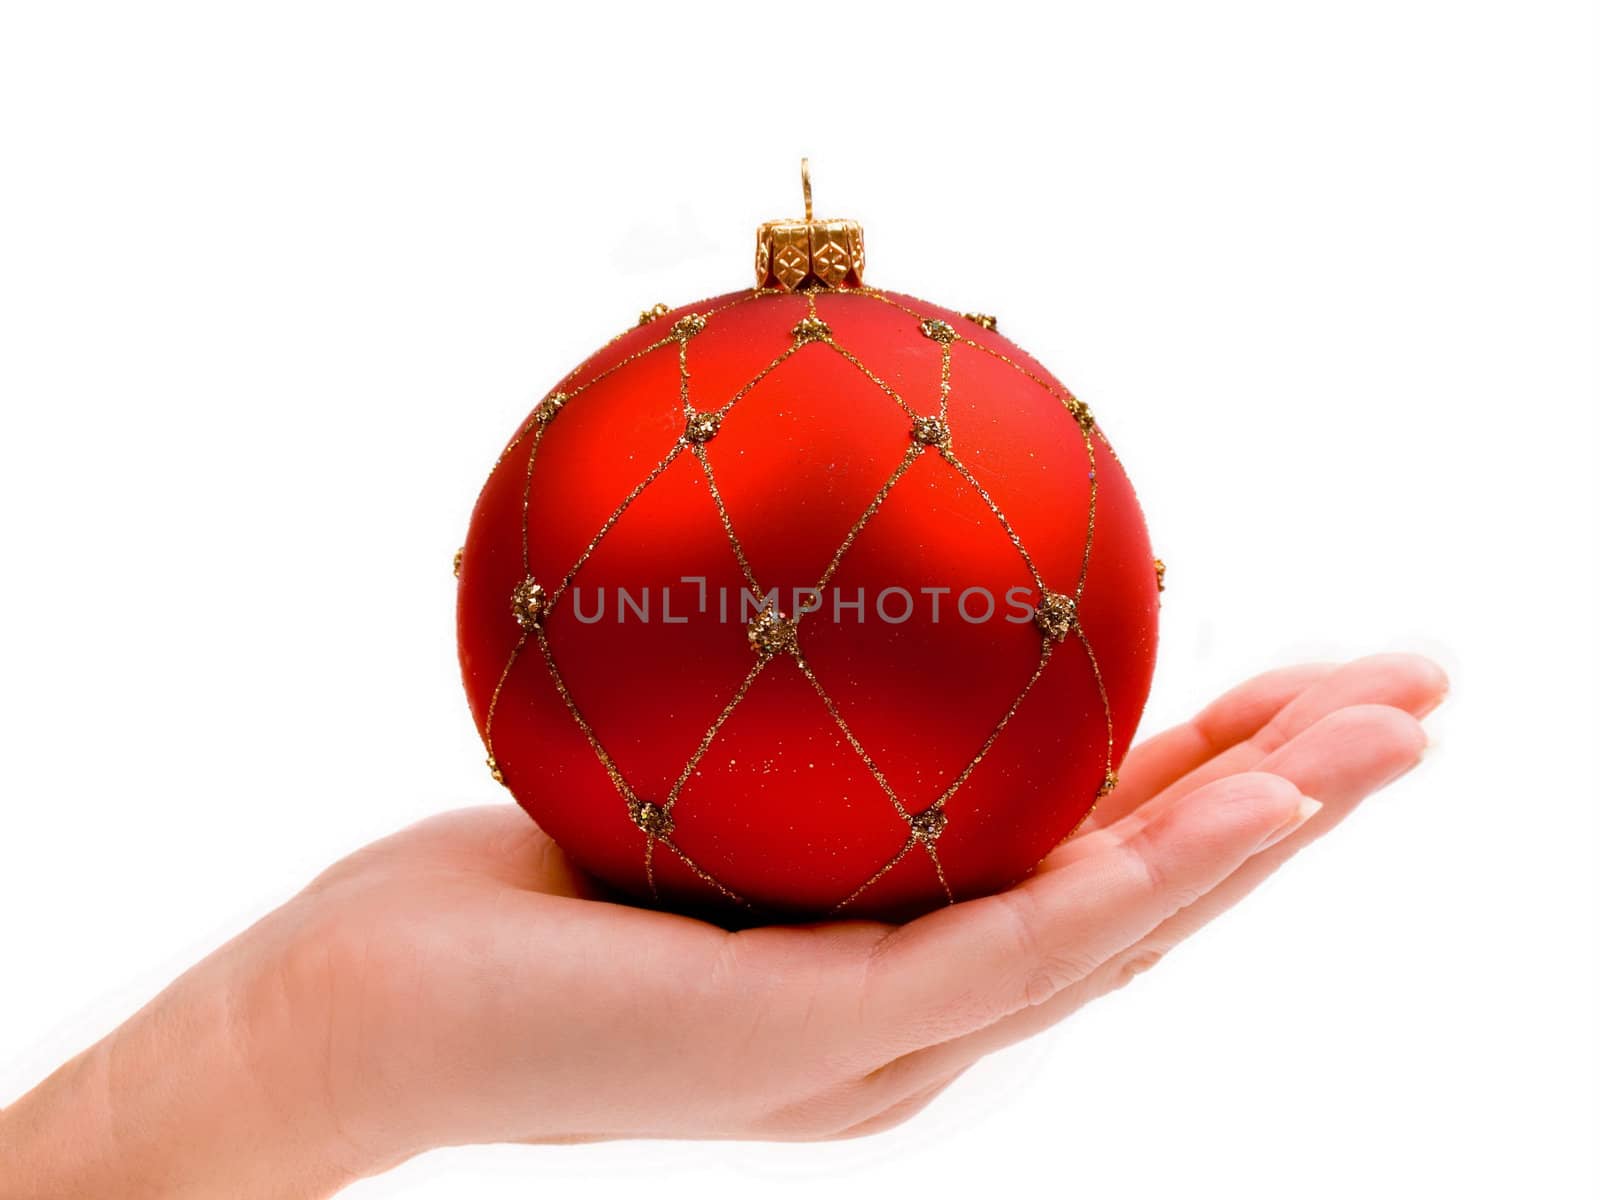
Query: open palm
(465, 983)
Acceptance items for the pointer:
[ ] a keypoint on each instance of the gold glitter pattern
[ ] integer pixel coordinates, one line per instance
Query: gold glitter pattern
(700, 428)
(930, 431)
(549, 407)
(527, 603)
(494, 704)
(772, 634)
(949, 456)
(563, 396)
(687, 327)
(812, 328)
(611, 521)
(652, 818)
(926, 826)
(1057, 616)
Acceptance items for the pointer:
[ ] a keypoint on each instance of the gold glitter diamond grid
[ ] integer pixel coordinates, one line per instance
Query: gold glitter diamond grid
(929, 432)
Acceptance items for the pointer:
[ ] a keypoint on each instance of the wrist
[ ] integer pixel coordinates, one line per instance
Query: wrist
(198, 1094)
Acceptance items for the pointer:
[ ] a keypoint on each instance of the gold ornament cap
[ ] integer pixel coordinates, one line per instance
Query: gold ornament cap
(791, 255)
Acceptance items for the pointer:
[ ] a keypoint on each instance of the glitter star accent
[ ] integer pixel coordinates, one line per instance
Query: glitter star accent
(527, 603)
(983, 321)
(654, 313)
(930, 431)
(771, 632)
(1161, 576)
(701, 427)
(927, 825)
(549, 407)
(653, 818)
(811, 329)
(1080, 413)
(1056, 616)
(685, 328)
(939, 331)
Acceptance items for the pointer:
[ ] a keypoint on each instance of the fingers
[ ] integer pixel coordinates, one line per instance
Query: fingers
(965, 967)
(1371, 743)
(1218, 741)
(1159, 761)
(1341, 759)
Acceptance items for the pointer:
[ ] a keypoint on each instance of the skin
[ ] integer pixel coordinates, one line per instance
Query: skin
(460, 982)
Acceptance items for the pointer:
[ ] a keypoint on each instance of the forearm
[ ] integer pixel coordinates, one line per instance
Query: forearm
(186, 1099)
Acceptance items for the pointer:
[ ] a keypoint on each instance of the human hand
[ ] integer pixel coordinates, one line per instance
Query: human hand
(460, 982)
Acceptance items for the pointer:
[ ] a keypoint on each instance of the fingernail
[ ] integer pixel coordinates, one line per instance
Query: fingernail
(1306, 809)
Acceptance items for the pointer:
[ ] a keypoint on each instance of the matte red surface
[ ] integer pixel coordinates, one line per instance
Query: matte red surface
(781, 809)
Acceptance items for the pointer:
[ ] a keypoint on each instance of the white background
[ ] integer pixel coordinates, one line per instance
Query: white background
(278, 280)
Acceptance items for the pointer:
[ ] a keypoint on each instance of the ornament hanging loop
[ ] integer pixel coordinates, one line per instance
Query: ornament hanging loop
(809, 254)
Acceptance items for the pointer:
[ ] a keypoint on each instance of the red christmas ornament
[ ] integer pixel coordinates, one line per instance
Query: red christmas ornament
(808, 600)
